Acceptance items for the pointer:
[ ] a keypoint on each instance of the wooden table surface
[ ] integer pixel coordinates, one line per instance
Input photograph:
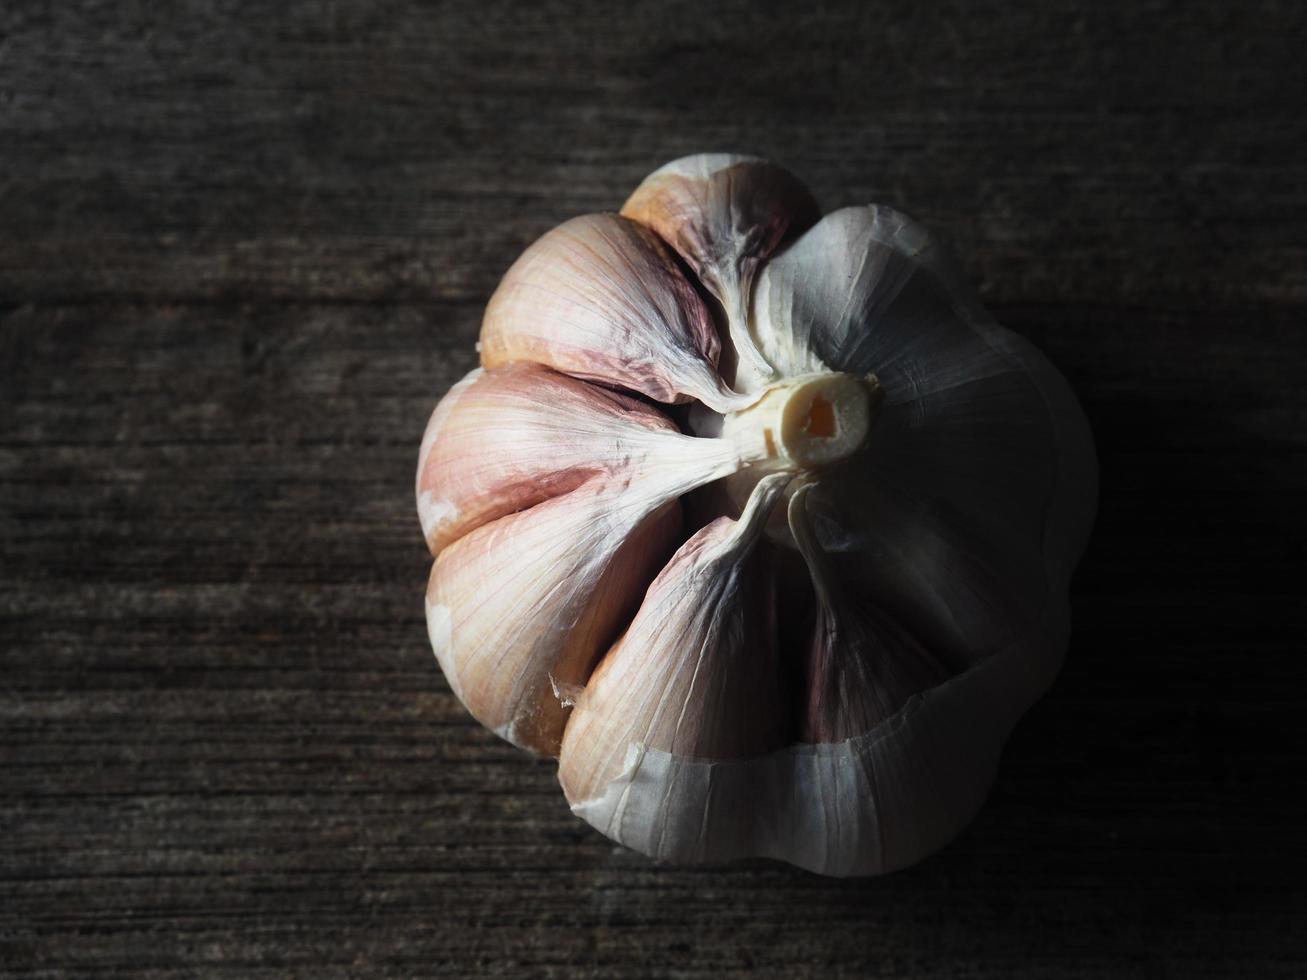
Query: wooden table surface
(243, 250)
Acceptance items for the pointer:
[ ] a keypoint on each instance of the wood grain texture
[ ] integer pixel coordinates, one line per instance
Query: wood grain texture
(243, 250)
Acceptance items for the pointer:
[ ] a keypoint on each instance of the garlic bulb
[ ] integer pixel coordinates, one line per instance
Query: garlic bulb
(798, 616)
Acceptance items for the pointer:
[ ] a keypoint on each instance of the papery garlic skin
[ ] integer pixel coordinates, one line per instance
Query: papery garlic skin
(941, 517)
(867, 805)
(485, 460)
(817, 304)
(578, 561)
(697, 673)
(574, 562)
(600, 297)
(871, 432)
(726, 214)
(861, 666)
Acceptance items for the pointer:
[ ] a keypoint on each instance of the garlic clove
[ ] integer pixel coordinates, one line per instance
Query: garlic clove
(520, 608)
(600, 297)
(821, 304)
(697, 674)
(507, 439)
(726, 214)
(435, 426)
(861, 666)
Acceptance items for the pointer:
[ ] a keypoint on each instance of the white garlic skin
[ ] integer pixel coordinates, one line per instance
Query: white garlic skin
(940, 528)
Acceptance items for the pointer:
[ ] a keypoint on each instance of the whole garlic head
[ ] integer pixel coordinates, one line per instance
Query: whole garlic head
(757, 521)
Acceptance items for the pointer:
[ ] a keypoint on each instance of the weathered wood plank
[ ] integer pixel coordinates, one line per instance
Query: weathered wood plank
(1077, 153)
(242, 253)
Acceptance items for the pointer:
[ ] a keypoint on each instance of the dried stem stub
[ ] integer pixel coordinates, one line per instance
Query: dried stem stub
(807, 423)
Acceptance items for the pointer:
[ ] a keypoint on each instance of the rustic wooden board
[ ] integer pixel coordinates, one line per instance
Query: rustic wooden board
(244, 250)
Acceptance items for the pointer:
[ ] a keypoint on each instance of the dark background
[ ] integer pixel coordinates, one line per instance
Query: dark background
(243, 250)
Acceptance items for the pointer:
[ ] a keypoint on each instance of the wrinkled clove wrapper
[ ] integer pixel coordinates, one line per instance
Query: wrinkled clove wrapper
(757, 521)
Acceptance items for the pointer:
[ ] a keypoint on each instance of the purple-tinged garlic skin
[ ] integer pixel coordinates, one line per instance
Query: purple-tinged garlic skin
(522, 605)
(525, 605)
(725, 215)
(921, 480)
(601, 298)
(484, 461)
